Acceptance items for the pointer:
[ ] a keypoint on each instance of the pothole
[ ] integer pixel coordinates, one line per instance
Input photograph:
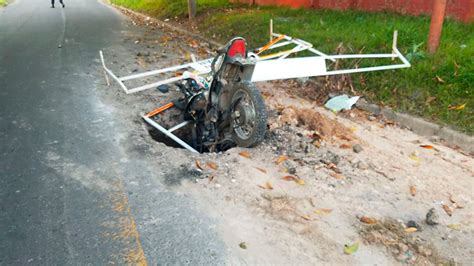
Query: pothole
(186, 136)
(156, 135)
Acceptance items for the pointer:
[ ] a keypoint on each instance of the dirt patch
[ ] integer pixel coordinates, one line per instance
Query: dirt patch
(406, 246)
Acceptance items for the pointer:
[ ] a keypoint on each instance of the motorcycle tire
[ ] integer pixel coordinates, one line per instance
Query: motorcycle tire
(250, 115)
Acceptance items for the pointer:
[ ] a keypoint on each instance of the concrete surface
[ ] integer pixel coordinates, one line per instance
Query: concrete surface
(69, 194)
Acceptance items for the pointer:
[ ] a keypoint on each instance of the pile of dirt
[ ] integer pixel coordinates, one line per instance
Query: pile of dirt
(406, 246)
(324, 127)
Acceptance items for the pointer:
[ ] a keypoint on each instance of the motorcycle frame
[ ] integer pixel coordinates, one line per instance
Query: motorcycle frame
(268, 67)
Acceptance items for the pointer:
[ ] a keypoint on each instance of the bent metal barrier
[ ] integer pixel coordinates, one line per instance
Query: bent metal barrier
(271, 66)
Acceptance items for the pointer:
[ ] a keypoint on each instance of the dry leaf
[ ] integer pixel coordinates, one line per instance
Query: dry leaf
(345, 146)
(211, 177)
(458, 107)
(198, 165)
(427, 147)
(317, 144)
(311, 202)
(300, 181)
(430, 99)
(456, 204)
(212, 165)
(411, 230)
(456, 227)
(337, 176)
(413, 190)
(368, 220)
(440, 80)
(245, 154)
(281, 159)
(323, 211)
(269, 185)
(297, 180)
(415, 158)
(448, 210)
(261, 170)
(306, 217)
(288, 178)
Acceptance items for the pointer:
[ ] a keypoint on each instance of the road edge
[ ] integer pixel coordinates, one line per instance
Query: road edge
(415, 124)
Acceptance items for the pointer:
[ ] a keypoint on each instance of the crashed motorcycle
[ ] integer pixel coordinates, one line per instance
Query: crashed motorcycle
(226, 109)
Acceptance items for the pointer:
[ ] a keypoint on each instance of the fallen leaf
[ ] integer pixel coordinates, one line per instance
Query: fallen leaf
(323, 211)
(243, 245)
(194, 43)
(245, 154)
(413, 190)
(448, 210)
(345, 146)
(281, 159)
(427, 147)
(212, 165)
(351, 249)
(368, 220)
(317, 144)
(300, 181)
(198, 165)
(410, 230)
(458, 107)
(440, 80)
(430, 99)
(306, 217)
(456, 204)
(311, 202)
(289, 178)
(415, 158)
(337, 176)
(456, 227)
(261, 170)
(211, 177)
(269, 185)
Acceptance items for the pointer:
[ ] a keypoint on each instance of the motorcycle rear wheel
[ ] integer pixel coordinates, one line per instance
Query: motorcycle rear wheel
(249, 115)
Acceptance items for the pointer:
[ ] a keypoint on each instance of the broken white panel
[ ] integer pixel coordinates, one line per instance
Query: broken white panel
(289, 68)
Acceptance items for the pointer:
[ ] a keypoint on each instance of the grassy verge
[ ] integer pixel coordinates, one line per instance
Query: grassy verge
(428, 89)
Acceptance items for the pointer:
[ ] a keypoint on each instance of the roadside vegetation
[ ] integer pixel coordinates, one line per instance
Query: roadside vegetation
(438, 87)
(3, 3)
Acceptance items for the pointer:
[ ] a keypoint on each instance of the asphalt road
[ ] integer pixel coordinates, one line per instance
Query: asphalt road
(68, 193)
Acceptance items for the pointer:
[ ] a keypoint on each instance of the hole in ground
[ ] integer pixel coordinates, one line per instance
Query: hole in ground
(162, 138)
(184, 135)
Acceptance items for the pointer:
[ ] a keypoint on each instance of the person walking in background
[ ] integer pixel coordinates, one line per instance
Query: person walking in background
(60, 1)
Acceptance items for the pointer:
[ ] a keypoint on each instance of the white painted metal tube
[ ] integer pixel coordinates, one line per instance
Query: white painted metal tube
(169, 134)
(154, 85)
(178, 126)
(364, 69)
(154, 72)
(403, 58)
(112, 74)
(352, 56)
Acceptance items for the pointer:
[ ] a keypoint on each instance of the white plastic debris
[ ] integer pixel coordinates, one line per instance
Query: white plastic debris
(342, 102)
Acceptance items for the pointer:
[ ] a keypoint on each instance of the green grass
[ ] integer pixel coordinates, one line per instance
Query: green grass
(427, 89)
(164, 8)
(3, 3)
